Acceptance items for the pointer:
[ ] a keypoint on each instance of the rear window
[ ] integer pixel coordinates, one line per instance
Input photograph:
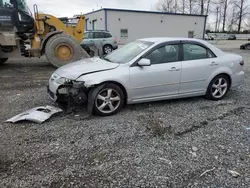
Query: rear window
(107, 35)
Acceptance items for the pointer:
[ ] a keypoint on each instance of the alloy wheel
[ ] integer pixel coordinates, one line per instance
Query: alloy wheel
(219, 87)
(107, 49)
(108, 100)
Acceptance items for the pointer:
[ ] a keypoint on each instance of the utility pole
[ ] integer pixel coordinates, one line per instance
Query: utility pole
(202, 7)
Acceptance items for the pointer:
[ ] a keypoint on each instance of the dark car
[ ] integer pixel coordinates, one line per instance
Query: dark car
(232, 37)
(245, 46)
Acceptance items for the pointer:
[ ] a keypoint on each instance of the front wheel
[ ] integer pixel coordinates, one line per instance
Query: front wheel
(109, 100)
(3, 60)
(218, 88)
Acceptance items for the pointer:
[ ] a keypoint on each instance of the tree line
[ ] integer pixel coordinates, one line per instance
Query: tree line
(223, 15)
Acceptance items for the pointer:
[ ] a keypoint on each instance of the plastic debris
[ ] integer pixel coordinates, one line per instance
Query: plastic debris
(234, 173)
(37, 115)
(207, 172)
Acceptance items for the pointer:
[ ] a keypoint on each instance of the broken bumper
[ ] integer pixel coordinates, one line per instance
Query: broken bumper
(74, 92)
(51, 94)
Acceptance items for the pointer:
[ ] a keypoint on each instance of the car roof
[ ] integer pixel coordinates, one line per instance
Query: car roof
(169, 39)
(159, 40)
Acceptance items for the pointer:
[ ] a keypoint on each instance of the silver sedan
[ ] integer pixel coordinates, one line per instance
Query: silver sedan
(148, 70)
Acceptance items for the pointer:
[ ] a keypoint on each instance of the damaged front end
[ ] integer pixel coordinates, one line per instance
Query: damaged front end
(69, 91)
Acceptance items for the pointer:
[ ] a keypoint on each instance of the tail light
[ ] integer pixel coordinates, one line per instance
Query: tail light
(242, 63)
(115, 39)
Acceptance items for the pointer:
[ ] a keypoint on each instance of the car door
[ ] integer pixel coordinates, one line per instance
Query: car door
(198, 63)
(88, 39)
(161, 78)
(98, 38)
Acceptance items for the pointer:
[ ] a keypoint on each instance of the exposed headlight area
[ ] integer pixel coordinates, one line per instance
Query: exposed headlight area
(64, 81)
(67, 89)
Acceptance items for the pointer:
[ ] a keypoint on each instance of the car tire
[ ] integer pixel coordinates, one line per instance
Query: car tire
(107, 49)
(218, 88)
(109, 100)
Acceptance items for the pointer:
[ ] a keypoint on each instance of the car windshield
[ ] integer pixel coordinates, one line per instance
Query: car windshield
(128, 51)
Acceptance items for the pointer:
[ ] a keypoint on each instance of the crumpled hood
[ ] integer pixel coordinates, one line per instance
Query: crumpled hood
(90, 65)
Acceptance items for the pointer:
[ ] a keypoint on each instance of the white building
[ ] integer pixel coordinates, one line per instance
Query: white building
(128, 25)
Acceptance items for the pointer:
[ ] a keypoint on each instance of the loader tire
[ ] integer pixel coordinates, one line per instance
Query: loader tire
(3, 60)
(62, 49)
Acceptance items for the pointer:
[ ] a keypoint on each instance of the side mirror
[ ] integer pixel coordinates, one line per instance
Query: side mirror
(144, 62)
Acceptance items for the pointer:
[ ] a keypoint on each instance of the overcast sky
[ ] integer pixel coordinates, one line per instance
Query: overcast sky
(71, 7)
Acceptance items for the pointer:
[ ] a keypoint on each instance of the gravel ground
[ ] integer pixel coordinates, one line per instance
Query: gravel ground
(179, 143)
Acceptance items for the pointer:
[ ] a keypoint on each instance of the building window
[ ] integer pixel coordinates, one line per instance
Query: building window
(190, 34)
(124, 33)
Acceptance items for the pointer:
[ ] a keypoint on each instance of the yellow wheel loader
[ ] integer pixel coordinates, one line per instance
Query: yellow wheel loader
(40, 35)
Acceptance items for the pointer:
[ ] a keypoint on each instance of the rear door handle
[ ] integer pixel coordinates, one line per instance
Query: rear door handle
(174, 69)
(213, 64)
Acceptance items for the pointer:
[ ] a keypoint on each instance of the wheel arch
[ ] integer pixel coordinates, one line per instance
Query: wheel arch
(118, 84)
(225, 74)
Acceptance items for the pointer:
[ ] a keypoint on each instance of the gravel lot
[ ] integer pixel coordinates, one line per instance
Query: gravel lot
(179, 143)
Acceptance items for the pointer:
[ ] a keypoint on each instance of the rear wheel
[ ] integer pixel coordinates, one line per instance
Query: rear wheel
(107, 49)
(109, 100)
(3, 60)
(62, 49)
(218, 88)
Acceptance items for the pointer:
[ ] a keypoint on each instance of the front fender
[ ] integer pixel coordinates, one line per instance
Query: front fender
(114, 75)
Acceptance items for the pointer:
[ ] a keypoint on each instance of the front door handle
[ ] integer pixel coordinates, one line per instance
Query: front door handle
(174, 69)
(213, 64)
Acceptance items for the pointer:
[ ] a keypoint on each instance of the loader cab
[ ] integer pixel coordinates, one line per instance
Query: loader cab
(20, 14)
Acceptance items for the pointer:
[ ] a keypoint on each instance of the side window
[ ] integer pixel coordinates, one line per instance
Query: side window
(165, 54)
(88, 35)
(193, 52)
(98, 35)
(107, 35)
(210, 54)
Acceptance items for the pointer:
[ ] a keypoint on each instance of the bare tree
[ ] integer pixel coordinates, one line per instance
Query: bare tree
(231, 17)
(183, 6)
(225, 4)
(220, 16)
(217, 18)
(242, 12)
(166, 6)
(202, 7)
